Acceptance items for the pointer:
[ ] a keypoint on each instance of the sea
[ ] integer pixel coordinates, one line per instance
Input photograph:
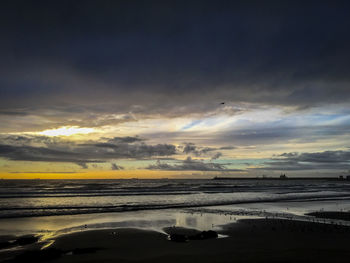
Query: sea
(21, 198)
(40, 206)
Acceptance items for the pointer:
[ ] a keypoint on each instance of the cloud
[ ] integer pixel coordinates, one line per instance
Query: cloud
(106, 73)
(44, 149)
(216, 156)
(41, 154)
(319, 157)
(13, 113)
(127, 139)
(55, 149)
(114, 166)
(191, 165)
(227, 148)
(83, 165)
(335, 160)
(191, 148)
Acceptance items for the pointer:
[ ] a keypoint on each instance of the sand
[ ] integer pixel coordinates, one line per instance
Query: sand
(253, 240)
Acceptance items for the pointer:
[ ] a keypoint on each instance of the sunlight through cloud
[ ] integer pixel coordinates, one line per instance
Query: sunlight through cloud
(67, 131)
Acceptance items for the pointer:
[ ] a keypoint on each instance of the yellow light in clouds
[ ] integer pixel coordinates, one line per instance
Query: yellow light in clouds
(67, 131)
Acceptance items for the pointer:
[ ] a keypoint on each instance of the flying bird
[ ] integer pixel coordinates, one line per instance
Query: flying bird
(222, 103)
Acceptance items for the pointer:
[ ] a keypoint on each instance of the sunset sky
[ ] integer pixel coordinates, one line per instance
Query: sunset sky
(154, 89)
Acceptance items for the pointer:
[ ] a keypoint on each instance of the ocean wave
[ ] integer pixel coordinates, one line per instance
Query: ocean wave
(13, 212)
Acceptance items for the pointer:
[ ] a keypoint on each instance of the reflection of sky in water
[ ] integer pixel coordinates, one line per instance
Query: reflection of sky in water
(155, 219)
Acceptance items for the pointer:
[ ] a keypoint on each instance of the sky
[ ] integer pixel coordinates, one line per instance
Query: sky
(174, 89)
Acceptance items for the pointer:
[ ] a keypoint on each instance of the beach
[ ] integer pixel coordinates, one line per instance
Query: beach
(256, 240)
(248, 240)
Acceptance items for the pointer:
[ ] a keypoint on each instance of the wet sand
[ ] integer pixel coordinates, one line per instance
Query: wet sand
(249, 240)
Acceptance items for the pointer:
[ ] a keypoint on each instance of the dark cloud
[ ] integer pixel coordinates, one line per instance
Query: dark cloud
(319, 157)
(205, 150)
(13, 113)
(191, 165)
(55, 149)
(114, 166)
(191, 148)
(127, 139)
(335, 160)
(192, 54)
(35, 141)
(216, 156)
(227, 148)
(126, 150)
(114, 142)
(83, 165)
(41, 154)
(277, 133)
(20, 148)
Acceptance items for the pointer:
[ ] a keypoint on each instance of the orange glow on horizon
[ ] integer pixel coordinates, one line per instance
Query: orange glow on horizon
(139, 174)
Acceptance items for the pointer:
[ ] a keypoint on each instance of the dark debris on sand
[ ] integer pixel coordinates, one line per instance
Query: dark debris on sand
(184, 235)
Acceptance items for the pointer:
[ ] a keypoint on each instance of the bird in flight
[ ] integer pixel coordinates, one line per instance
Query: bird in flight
(222, 103)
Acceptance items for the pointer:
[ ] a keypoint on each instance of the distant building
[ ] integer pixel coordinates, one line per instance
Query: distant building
(348, 177)
(341, 177)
